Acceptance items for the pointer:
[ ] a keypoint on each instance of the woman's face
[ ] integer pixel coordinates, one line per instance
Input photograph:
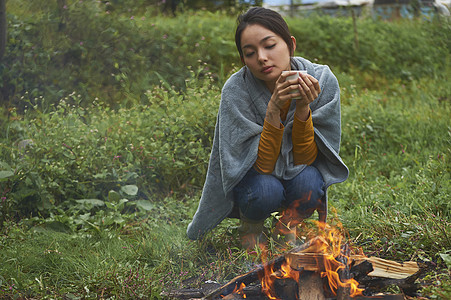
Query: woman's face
(265, 53)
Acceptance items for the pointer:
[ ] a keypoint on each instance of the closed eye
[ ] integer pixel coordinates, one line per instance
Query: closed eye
(270, 46)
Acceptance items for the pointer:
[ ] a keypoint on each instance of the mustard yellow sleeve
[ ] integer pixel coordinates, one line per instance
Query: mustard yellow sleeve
(268, 148)
(303, 137)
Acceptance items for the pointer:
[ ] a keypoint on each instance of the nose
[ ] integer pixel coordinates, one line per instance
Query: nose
(262, 56)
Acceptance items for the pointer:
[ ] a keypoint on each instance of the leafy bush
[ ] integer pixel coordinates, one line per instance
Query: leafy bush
(160, 145)
(403, 49)
(117, 165)
(396, 147)
(108, 54)
(101, 49)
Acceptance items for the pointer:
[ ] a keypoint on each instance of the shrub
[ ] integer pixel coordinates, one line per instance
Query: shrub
(107, 51)
(405, 49)
(108, 54)
(394, 143)
(161, 145)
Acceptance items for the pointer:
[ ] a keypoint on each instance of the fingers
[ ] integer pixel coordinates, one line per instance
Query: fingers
(283, 77)
(305, 87)
(284, 86)
(309, 87)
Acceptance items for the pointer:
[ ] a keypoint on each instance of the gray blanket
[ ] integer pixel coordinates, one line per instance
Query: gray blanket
(237, 134)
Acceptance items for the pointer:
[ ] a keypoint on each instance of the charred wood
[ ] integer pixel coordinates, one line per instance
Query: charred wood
(286, 288)
(254, 274)
(344, 292)
(361, 270)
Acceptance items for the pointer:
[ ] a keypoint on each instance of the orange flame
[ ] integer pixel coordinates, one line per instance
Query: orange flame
(271, 276)
(329, 244)
(291, 218)
(238, 290)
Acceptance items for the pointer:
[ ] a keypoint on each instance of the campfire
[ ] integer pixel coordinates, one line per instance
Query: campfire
(323, 267)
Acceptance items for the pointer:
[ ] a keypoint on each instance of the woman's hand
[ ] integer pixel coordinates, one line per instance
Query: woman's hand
(308, 90)
(306, 87)
(281, 93)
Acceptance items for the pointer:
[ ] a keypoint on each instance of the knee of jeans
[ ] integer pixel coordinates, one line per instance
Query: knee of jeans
(308, 192)
(315, 183)
(307, 207)
(309, 184)
(261, 201)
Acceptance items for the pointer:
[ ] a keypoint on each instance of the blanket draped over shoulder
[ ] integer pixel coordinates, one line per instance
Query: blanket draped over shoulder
(238, 128)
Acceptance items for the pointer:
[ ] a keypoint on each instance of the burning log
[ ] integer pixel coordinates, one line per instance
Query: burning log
(256, 273)
(361, 270)
(388, 268)
(387, 272)
(376, 267)
(286, 288)
(302, 273)
(407, 284)
(184, 294)
(311, 286)
(344, 274)
(381, 297)
(373, 273)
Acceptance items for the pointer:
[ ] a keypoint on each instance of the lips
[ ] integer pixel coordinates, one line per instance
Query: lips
(266, 69)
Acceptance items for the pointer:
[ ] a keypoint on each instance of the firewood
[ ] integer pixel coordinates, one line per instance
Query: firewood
(253, 291)
(286, 288)
(255, 274)
(373, 273)
(344, 292)
(361, 270)
(387, 268)
(407, 285)
(311, 286)
(233, 296)
(381, 267)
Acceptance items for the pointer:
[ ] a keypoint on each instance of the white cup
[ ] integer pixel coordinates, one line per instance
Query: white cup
(294, 76)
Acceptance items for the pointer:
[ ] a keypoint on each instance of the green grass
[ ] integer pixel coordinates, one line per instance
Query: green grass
(98, 206)
(397, 145)
(394, 205)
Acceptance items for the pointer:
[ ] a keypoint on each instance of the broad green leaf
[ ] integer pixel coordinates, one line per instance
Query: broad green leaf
(6, 174)
(130, 190)
(122, 201)
(93, 202)
(144, 204)
(53, 226)
(4, 165)
(113, 196)
(121, 204)
(118, 220)
(447, 259)
(82, 218)
(57, 226)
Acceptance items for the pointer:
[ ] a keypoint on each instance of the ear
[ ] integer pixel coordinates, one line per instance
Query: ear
(293, 41)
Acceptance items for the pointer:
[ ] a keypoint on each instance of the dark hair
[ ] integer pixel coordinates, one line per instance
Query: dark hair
(267, 18)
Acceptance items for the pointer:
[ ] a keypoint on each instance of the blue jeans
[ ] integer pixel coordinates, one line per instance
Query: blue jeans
(258, 195)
